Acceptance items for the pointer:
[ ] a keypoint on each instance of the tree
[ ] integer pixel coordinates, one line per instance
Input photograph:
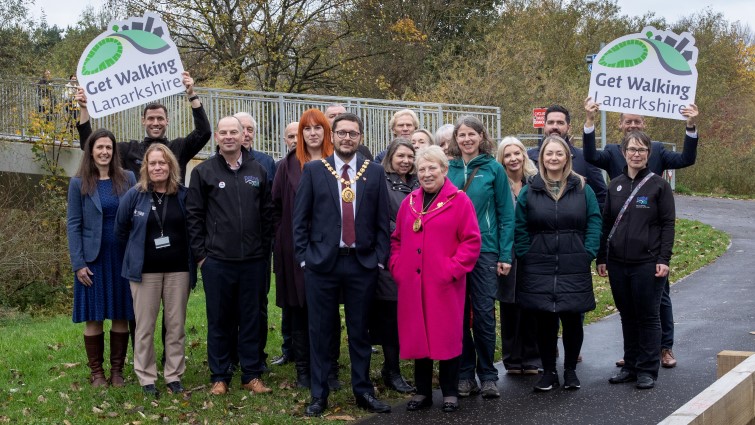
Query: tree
(280, 45)
(406, 37)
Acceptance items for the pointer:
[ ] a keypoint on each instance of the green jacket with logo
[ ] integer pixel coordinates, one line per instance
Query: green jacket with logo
(491, 195)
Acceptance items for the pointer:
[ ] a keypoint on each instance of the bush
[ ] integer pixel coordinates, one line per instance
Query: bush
(34, 266)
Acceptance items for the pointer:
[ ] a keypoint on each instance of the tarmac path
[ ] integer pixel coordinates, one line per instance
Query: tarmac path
(714, 310)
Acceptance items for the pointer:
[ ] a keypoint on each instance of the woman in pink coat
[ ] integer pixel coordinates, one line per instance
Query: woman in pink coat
(435, 244)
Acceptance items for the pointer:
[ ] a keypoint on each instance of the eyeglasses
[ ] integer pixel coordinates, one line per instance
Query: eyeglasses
(351, 134)
(633, 151)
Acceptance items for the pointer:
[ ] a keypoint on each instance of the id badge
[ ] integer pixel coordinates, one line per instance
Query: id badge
(162, 242)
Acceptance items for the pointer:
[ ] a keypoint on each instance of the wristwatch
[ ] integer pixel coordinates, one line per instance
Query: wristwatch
(193, 98)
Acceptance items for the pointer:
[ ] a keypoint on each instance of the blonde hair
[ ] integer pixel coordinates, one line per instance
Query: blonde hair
(434, 154)
(144, 185)
(528, 168)
(568, 171)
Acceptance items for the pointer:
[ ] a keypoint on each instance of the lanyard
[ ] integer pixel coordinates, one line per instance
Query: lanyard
(624, 208)
(159, 220)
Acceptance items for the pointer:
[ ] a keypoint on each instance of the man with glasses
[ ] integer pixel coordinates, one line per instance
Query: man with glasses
(341, 238)
(335, 109)
(612, 160)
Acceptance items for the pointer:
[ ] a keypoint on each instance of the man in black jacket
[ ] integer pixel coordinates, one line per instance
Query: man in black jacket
(229, 218)
(155, 123)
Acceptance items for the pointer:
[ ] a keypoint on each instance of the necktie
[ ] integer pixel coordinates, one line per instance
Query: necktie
(347, 214)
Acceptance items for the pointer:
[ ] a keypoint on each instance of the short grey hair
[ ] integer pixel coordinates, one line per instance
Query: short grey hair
(432, 153)
(239, 115)
(446, 130)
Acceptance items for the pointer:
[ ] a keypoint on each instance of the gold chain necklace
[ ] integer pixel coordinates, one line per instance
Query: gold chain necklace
(347, 194)
(417, 226)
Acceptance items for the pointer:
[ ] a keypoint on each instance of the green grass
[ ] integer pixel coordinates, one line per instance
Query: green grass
(43, 372)
(695, 245)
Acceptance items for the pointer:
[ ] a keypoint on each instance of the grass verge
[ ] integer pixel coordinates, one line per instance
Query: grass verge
(43, 372)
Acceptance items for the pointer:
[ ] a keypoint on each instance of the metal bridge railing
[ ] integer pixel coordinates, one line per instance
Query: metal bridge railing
(272, 111)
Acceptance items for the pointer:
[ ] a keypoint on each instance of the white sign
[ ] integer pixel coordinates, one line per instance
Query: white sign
(650, 73)
(132, 63)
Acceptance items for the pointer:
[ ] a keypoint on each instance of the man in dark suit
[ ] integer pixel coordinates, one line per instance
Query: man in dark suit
(341, 238)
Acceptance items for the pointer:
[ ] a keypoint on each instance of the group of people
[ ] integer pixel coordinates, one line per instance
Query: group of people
(417, 244)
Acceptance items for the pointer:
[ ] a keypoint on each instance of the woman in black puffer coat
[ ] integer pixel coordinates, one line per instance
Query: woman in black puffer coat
(557, 235)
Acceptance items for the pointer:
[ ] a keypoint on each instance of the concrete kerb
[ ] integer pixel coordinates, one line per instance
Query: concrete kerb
(729, 400)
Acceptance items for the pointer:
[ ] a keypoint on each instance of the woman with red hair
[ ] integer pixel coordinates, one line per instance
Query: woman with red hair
(315, 142)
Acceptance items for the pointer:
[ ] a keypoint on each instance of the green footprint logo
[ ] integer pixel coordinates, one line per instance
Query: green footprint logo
(630, 53)
(107, 51)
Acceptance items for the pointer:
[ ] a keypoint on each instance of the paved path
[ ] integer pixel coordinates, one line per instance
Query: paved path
(714, 310)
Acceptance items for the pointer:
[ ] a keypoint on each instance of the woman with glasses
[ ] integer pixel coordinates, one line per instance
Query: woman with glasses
(401, 179)
(314, 142)
(635, 251)
(434, 246)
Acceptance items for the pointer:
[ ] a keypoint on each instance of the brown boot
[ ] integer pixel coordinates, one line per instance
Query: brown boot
(118, 349)
(95, 346)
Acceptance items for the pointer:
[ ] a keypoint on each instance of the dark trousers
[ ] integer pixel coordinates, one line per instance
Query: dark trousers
(478, 344)
(233, 293)
(448, 376)
(323, 290)
(300, 344)
(263, 314)
(519, 337)
(637, 293)
(547, 338)
(667, 317)
(286, 332)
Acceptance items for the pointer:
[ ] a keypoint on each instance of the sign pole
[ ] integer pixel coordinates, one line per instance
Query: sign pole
(602, 116)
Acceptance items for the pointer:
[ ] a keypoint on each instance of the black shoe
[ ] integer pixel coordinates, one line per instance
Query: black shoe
(368, 402)
(548, 381)
(450, 406)
(175, 387)
(316, 407)
(645, 382)
(375, 351)
(414, 405)
(151, 391)
(396, 382)
(623, 377)
(571, 382)
(280, 360)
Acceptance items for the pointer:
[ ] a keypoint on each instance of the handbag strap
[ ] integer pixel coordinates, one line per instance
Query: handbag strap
(626, 204)
(470, 178)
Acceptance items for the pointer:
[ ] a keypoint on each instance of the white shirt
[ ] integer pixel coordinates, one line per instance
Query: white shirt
(352, 175)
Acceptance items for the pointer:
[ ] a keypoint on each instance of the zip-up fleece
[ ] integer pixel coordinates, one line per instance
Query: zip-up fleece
(645, 233)
(491, 196)
(229, 212)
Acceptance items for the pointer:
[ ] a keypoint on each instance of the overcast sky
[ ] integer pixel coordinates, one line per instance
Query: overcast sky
(66, 12)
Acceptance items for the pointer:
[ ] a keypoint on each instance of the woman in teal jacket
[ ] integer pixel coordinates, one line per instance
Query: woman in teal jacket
(485, 182)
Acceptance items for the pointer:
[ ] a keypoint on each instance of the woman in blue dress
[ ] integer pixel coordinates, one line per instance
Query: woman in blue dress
(99, 291)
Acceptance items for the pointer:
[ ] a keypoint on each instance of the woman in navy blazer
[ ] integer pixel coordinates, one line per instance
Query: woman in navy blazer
(96, 256)
(158, 264)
